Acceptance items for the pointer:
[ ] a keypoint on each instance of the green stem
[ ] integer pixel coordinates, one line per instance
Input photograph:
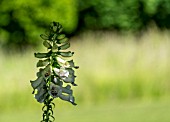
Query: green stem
(47, 115)
(47, 108)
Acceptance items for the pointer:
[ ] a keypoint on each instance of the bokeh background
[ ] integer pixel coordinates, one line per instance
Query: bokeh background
(122, 48)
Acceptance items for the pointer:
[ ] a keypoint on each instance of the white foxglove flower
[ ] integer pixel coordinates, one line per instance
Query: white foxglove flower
(63, 62)
(55, 90)
(61, 72)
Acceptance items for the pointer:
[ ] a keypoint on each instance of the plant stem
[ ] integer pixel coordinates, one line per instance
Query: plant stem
(47, 109)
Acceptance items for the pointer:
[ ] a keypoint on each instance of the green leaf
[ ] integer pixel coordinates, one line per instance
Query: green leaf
(61, 36)
(65, 46)
(64, 40)
(66, 54)
(41, 55)
(47, 44)
(44, 37)
(42, 63)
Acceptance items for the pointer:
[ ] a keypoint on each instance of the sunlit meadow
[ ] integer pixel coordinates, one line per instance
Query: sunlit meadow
(121, 78)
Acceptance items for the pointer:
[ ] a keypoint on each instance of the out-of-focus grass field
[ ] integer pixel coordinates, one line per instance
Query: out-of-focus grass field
(120, 112)
(121, 79)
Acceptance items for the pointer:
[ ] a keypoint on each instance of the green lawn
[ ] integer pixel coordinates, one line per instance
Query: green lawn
(113, 69)
(114, 112)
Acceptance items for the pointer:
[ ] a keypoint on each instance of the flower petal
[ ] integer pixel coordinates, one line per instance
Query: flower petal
(68, 98)
(55, 90)
(41, 94)
(37, 82)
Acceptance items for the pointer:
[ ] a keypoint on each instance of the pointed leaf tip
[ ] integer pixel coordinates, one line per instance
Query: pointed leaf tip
(41, 55)
(66, 54)
(44, 37)
(64, 46)
(47, 44)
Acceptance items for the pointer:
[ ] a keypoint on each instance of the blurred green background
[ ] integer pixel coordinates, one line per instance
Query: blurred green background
(122, 48)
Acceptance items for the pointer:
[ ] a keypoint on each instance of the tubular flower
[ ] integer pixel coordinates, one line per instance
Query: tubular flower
(62, 72)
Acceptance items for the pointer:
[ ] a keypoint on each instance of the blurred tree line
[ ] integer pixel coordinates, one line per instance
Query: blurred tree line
(22, 20)
(124, 14)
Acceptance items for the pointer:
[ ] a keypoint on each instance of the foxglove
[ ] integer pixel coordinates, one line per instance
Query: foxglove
(56, 70)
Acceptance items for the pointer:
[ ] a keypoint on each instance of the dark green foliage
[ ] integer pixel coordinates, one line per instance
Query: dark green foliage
(124, 14)
(54, 72)
(22, 20)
